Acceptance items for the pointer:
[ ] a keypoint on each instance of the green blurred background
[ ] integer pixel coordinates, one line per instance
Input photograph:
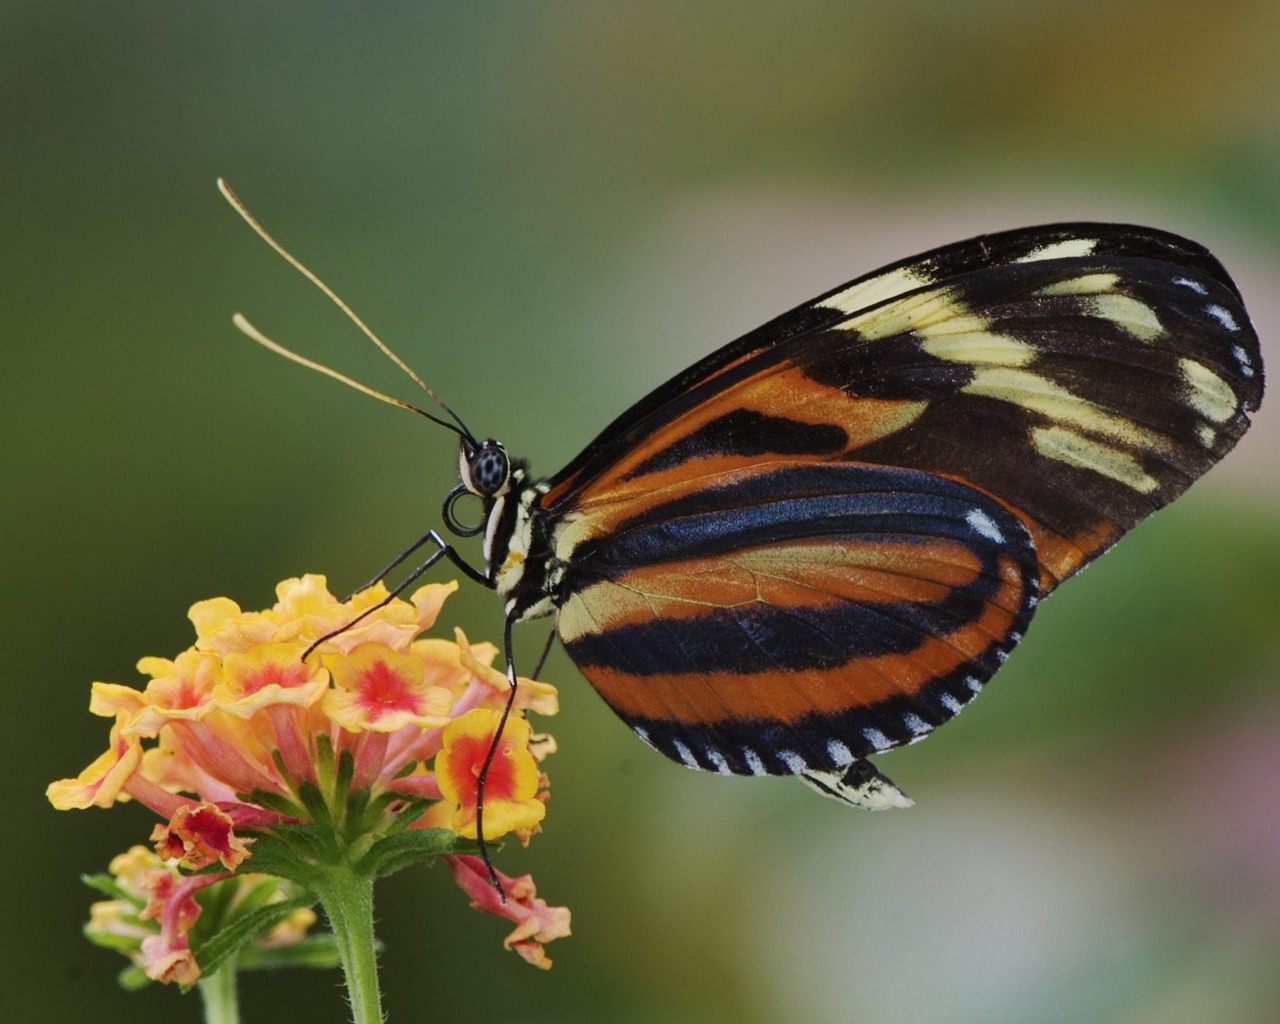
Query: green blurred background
(548, 209)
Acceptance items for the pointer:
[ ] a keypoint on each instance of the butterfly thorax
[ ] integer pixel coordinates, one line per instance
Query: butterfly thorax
(519, 549)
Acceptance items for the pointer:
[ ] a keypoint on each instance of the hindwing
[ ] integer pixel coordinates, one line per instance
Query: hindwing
(795, 618)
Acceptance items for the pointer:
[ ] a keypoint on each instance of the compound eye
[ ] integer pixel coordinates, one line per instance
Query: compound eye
(488, 469)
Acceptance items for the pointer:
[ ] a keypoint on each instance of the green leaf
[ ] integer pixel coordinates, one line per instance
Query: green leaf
(399, 851)
(220, 948)
(319, 952)
(272, 855)
(126, 944)
(317, 809)
(275, 802)
(133, 979)
(108, 886)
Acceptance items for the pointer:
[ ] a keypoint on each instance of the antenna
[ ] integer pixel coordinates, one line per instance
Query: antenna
(253, 333)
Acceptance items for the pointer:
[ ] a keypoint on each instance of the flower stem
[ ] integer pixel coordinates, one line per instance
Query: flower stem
(347, 899)
(218, 993)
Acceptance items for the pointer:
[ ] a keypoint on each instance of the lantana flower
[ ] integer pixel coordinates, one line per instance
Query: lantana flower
(154, 909)
(272, 746)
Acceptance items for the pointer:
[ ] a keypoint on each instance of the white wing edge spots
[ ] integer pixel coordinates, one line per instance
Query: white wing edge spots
(974, 683)
(877, 739)
(1208, 436)
(840, 754)
(794, 762)
(915, 724)
(753, 761)
(951, 704)
(1195, 286)
(719, 761)
(1223, 316)
(685, 754)
(984, 525)
(1065, 249)
(1002, 656)
(1242, 357)
(643, 733)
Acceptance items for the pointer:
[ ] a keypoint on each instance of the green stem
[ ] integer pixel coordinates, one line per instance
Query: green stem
(218, 993)
(347, 899)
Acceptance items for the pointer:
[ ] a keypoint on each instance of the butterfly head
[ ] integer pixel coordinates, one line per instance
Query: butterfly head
(486, 472)
(484, 468)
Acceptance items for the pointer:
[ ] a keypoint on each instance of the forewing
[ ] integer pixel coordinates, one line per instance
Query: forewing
(796, 617)
(1082, 380)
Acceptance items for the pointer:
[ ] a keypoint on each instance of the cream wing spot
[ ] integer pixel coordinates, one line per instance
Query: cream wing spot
(1073, 449)
(1056, 403)
(1209, 394)
(1086, 284)
(969, 342)
(1129, 314)
(1068, 248)
(912, 313)
(880, 288)
(1107, 302)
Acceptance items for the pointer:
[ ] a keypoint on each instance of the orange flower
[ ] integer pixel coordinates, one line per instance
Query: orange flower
(536, 922)
(384, 690)
(239, 735)
(511, 783)
(199, 836)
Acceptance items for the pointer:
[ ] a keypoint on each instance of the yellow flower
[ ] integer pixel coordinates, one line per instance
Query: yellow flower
(384, 690)
(269, 724)
(511, 782)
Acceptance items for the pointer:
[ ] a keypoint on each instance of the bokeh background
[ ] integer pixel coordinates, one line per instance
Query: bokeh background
(550, 208)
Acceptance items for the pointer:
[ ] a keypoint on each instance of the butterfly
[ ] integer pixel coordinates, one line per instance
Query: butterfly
(819, 542)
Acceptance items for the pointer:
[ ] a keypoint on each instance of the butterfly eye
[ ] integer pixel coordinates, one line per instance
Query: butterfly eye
(485, 470)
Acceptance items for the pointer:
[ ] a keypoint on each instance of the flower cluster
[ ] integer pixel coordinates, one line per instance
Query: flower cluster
(154, 909)
(376, 735)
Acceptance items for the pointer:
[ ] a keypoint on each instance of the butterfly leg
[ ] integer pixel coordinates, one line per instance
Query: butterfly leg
(443, 550)
(509, 656)
(859, 785)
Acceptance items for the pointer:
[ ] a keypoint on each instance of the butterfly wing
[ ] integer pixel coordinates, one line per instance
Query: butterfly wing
(1082, 391)
(1058, 384)
(796, 618)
